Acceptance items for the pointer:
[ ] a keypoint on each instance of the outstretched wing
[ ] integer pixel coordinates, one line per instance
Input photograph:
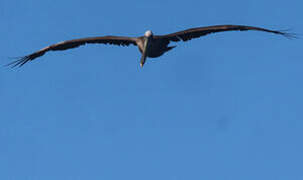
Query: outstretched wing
(115, 40)
(202, 31)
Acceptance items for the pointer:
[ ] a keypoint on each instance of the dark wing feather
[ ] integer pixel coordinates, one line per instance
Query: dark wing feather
(202, 31)
(115, 40)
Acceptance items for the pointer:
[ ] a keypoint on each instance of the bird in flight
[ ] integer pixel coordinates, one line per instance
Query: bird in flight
(149, 45)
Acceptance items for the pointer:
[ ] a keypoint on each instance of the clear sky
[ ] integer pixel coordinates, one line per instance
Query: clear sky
(225, 106)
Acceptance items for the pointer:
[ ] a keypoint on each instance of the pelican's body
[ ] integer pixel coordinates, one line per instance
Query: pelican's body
(149, 45)
(155, 47)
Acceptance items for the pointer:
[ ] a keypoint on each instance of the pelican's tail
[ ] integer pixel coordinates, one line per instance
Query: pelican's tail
(170, 48)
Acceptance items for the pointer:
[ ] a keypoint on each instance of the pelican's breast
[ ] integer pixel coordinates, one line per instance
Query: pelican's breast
(156, 48)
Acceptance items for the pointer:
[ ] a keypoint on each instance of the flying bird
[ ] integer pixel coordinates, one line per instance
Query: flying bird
(149, 45)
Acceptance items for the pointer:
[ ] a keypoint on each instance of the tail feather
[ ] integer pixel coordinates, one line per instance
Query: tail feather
(170, 48)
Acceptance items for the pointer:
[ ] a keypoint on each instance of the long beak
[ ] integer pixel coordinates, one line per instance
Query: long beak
(144, 55)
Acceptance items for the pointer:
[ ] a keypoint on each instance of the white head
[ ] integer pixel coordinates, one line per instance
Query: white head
(148, 33)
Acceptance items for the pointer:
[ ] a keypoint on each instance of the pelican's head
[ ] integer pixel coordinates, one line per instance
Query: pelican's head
(148, 33)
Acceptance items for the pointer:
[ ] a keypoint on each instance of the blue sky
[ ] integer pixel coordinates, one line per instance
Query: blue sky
(226, 106)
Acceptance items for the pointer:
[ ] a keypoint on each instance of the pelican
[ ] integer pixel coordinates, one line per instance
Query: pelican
(149, 45)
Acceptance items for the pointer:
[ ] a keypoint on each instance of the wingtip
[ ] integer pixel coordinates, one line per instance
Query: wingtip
(19, 62)
(289, 35)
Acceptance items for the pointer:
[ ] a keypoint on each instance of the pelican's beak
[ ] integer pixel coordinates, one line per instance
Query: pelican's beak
(144, 55)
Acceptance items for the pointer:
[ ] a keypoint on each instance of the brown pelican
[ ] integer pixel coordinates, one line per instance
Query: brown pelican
(149, 45)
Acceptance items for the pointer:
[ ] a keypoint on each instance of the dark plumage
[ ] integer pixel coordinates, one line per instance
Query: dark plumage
(149, 45)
